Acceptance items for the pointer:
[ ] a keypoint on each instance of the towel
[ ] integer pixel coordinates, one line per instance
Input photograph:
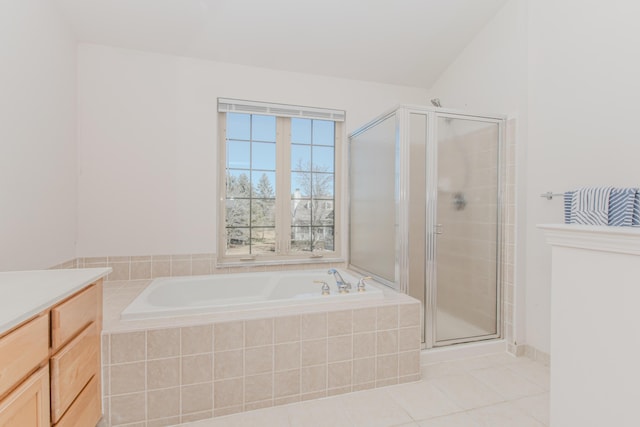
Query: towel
(635, 221)
(568, 199)
(621, 203)
(590, 205)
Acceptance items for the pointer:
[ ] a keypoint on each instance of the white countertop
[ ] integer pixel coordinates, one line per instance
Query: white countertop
(24, 294)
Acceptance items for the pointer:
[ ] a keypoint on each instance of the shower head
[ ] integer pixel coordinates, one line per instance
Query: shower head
(436, 102)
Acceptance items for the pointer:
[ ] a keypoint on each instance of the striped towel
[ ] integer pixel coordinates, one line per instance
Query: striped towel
(635, 221)
(590, 205)
(568, 199)
(621, 202)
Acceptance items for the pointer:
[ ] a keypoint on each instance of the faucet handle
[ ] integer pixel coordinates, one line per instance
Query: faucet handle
(361, 284)
(326, 290)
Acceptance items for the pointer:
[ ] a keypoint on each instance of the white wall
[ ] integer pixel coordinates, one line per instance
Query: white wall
(38, 159)
(147, 141)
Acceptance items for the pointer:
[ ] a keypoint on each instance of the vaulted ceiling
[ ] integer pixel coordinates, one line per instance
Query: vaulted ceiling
(403, 42)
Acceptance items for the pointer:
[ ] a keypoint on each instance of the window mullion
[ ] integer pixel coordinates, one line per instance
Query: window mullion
(283, 178)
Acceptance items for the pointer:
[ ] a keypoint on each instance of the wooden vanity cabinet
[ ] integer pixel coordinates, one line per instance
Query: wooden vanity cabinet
(50, 366)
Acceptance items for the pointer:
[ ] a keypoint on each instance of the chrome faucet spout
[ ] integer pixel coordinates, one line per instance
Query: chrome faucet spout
(340, 282)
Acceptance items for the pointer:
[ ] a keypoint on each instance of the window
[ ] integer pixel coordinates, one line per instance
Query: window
(280, 191)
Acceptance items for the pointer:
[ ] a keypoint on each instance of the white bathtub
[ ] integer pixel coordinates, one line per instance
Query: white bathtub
(183, 296)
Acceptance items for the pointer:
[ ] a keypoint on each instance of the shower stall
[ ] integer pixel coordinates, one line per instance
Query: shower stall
(425, 215)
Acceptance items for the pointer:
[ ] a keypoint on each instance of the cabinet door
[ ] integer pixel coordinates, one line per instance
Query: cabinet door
(28, 405)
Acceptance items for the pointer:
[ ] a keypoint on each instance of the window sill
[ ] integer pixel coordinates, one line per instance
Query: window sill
(278, 262)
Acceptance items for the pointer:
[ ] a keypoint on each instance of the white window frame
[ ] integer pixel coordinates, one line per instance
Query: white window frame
(283, 114)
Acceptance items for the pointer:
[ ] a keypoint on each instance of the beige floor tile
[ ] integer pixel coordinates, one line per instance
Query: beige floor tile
(318, 413)
(423, 400)
(507, 383)
(466, 391)
(269, 417)
(533, 371)
(374, 408)
(460, 419)
(503, 415)
(536, 406)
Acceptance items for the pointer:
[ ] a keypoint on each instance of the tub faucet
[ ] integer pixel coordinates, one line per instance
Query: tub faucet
(343, 286)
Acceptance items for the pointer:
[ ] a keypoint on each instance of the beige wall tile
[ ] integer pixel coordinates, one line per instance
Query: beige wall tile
(286, 400)
(180, 267)
(258, 360)
(387, 382)
(287, 356)
(258, 387)
(252, 406)
(366, 386)
(163, 422)
(314, 325)
(364, 370)
(340, 348)
(364, 320)
(197, 398)
(387, 317)
(127, 378)
(106, 380)
(160, 268)
(387, 342)
(408, 315)
(409, 379)
(228, 393)
(163, 403)
(227, 411)
(313, 379)
(337, 391)
(188, 418)
(128, 408)
(105, 348)
(339, 374)
(286, 383)
(197, 368)
(140, 270)
(196, 339)
(313, 395)
(364, 345)
(287, 329)
(386, 367)
(228, 364)
(409, 363)
(258, 332)
(128, 347)
(340, 322)
(228, 336)
(163, 343)
(409, 339)
(111, 259)
(163, 373)
(120, 271)
(200, 267)
(314, 352)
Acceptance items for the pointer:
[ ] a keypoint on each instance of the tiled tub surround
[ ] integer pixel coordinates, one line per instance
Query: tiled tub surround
(163, 372)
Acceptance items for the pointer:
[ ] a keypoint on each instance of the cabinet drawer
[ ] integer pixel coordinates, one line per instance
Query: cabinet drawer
(73, 315)
(22, 351)
(72, 368)
(86, 410)
(28, 405)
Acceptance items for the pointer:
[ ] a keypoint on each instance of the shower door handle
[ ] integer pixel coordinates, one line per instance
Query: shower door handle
(437, 229)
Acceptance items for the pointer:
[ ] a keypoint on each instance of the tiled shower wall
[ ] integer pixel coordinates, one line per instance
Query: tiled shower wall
(173, 375)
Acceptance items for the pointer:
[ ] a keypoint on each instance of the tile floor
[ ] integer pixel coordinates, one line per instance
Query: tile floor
(496, 390)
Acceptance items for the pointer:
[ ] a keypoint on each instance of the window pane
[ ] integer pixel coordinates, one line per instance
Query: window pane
(301, 131)
(263, 212)
(301, 185)
(238, 154)
(264, 185)
(263, 128)
(323, 159)
(263, 240)
(238, 184)
(300, 158)
(322, 185)
(301, 212)
(238, 126)
(322, 238)
(323, 132)
(322, 212)
(300, 239)
(238, 241)
(237, 214)
(263, 156)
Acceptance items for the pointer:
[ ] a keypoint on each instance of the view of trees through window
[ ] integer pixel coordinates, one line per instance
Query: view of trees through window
(251, 219)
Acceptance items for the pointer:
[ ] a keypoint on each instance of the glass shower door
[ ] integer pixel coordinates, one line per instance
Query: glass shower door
(466, 230)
